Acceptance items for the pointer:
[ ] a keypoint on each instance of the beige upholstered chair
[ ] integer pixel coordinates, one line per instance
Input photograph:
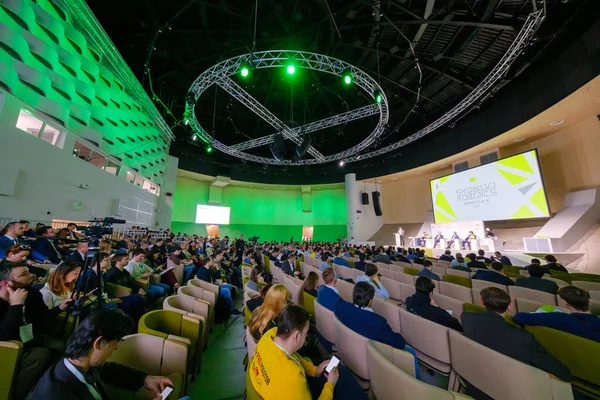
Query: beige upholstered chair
(407, 291)
(404, 278)
(155, 356)
(430, 340)
(457, 292)
(192, 307)
(393, 288)
(393, 376)
(325, 324)
(204, 285)
(502, 377)
(559, 282)
(440, 271)
(389, 310)
(586, 285)
(345, 289)
(352, 350)
(203, 295)
(448, 303)
(532, 294)
(309, 268)
(527, 305)
(293, 285)
(480, 284)
(451, 271)
(386, 273)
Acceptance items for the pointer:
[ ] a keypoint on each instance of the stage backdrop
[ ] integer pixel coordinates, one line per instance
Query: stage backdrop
(511, 188)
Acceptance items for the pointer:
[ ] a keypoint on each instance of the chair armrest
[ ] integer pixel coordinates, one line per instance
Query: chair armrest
(155, 278)
(192, 328)
(202, 308)
(179, 339)
(395, 302)
(144, 284)
(114, 290)
(210, 297)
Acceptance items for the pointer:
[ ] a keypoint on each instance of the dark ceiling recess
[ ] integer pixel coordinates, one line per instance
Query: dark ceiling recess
(457, 44)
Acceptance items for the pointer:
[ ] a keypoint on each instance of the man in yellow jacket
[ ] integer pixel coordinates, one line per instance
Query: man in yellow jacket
(277, 371)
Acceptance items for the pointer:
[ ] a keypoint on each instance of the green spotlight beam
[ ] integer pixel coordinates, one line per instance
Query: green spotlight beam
(291, 69)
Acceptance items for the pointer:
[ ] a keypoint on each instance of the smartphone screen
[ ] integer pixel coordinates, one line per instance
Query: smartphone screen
(165, 393)
(332, 364)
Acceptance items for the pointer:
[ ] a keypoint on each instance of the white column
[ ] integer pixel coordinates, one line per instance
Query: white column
(351, 205)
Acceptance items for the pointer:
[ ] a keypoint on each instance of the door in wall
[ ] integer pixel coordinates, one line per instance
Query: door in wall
(212, 231)
(307, 233)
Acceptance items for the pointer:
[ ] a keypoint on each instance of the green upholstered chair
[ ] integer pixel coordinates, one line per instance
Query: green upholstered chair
(10, 354)
(411, 271)
(176, 327)
(351, 263)
(474, 308)
(309, 304)
(580, 355)
(457, 280)
(247, 315)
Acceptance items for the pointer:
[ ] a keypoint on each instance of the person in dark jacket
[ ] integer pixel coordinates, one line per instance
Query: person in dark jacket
(84, 371)
(427, 271)
(491, 330)
(447, 256)
(359, 317)
(475, 263)
(361, 264)
(421, 303)
(495, 275)
(535, 280)
(580, 321)
(45, 246)
(481, 257)
(553, 265)
(503, 259)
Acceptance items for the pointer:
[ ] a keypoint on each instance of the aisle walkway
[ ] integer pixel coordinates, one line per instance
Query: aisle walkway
(223, 376)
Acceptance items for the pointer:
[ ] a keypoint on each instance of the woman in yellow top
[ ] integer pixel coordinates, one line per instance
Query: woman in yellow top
(277, 371)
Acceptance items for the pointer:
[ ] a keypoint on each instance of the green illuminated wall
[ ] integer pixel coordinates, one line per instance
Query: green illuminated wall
(271, 214)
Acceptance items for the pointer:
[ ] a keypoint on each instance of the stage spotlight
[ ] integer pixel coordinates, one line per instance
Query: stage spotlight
(209, 148)
(378, 97)
(341, 163)
(347, 77)
(291, 69)
(194, 138)
(244, 71)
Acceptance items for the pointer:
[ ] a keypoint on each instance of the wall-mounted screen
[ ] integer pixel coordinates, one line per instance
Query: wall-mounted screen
(212, 215)
(510, 188)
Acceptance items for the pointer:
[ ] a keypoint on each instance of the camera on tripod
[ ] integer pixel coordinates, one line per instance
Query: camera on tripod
(100, 227)
(254, 239)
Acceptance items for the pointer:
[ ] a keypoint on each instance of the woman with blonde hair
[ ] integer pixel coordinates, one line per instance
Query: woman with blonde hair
(264, 317)
(61, 283)
(309, 286)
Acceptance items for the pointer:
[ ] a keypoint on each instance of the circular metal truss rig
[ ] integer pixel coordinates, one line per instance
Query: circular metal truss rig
(220, 75)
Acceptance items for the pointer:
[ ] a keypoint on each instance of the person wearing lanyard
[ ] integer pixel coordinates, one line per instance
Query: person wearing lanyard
(84, 371)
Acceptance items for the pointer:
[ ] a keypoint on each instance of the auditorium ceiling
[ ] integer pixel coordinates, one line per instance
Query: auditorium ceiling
(456, 45)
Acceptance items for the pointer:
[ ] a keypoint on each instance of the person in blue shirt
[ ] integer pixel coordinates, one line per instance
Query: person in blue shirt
(427, 271)
(371, 276)
(359, 317)
(495, 275)
(411, 255)
(460, 264)
(324, 264)
(580, 322)
(339, 260)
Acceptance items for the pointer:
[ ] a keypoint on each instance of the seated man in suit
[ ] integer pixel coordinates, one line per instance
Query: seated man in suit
(495, 275)
(450, 242)
(84, 370)
(475, 263)
(421, 303)
(339, 260)
(47, 247)
(503, 259)
(535, 280)
(427, 271)
(12, 235)
(481, 257)
(361, 264)
(580, 321)
(289, 265)
(439, 237)
(447, 256)
(359, 317)
(467, 242)
(79, 254)
(421, 241)
(552, 264)
(490, 329)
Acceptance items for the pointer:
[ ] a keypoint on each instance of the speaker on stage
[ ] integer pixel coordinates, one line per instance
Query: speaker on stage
(365, 198)
(377, 203)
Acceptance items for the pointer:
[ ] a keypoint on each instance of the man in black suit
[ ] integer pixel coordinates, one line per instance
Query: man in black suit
(439, 237)
(79, 255)
(447, 256)
(552, 264)
(535, 281)
(289, 265)
(490, 329)
(421, 303)
(239, 246)
(47, 247)
(475, 263)
(481, 257)
(84, 371)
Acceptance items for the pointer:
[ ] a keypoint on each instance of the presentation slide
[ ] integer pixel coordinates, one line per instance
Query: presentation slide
(511, 188)
(212, 215)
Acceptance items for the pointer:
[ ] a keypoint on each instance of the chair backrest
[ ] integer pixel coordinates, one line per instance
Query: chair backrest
(457, 292)
(10, 354)
(188, 304)
(390, 379)
(346, 289)
(404, 278)
(559, 282)
(251, 343)
(309, 303)
(448, 303)
(528, 305)
(439, 270)
(198, 293)
(451, 271)
(393, 288)
(251, 292)
(388, 310)
(595, 295)
(585, 285)
(293, 286)
(309, 268)
(151, 354)
(580, 355)
(352, 349)
(481, 284)
(204, 285)
(532, 294)
(457, 280)
(386, 273)
(426, 337)
(502, 377)
(411, 271)
(407, 291)
(325, 323)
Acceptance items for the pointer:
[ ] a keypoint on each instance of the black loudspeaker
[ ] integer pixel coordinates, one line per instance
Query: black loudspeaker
(377, 203)
(301, 149)
(365, 198)
(278, 147)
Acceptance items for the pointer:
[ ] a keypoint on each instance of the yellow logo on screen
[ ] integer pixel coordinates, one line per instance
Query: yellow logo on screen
(473, 179)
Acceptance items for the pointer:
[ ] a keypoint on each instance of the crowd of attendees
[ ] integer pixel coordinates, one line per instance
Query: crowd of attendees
(45, 273)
